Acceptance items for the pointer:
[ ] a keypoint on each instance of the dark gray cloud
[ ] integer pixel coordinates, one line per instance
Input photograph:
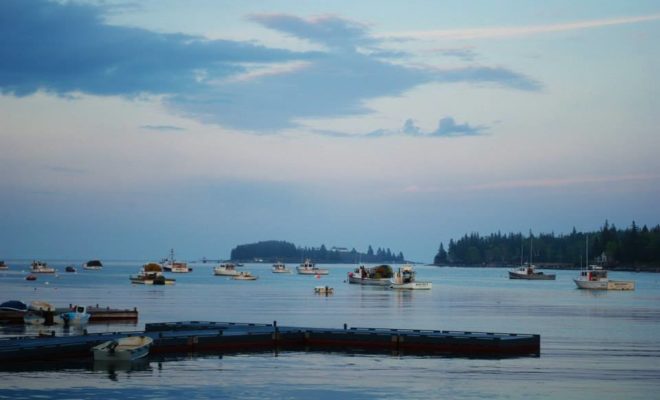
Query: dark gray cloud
(64, 48)
(162, 128)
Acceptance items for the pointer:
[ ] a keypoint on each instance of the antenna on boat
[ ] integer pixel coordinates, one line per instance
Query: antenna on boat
(586, 262)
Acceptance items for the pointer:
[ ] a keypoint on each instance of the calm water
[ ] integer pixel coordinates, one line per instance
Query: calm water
(603, 345)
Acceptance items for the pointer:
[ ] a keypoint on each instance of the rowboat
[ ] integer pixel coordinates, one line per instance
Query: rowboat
(125, 349)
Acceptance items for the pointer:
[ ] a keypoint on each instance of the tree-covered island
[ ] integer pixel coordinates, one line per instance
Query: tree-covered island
(275, 250)
(632, 248)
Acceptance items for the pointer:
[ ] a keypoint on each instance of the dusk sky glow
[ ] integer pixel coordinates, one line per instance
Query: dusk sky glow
(129, 128)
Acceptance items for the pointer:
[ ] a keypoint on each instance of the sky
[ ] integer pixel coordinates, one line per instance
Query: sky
(129, 128)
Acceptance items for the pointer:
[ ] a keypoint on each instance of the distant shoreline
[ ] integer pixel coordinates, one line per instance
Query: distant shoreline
(555, 266)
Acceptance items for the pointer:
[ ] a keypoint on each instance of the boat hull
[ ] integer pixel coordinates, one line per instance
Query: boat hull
(412, 286)
(245, 278)
(604, 285)
(317, 271)
(537, 276)
(225, 272)
(152, 281)
(369, 281)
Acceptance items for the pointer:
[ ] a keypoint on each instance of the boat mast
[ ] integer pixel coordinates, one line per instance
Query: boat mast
(586, 262)
(530, 247)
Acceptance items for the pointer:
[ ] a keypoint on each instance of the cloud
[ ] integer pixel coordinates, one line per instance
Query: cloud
(66, 48)
(520, 31)
(329, 30)
(463, 53)
(447, 127)
(162, 128)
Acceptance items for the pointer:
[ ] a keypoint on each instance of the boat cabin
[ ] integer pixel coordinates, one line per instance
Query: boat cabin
(594, 274)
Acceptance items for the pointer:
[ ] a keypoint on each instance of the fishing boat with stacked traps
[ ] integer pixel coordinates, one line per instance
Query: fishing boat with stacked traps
(151, 274)
(378, 276)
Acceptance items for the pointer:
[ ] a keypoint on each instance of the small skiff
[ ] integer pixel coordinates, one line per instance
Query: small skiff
(124, 349)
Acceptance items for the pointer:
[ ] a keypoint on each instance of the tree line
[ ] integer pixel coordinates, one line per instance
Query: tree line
(275, 250)
(632, 247)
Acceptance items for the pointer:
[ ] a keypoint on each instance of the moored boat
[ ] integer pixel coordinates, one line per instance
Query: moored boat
(93, 265)
(227, 269)
(3, 266)
(324, 290)
(70, 268)
(529, 272)
(124, 349)
(308, 268)
(280, 268)
(40, 267)
(596, 278)
(171, 265)
(245, 276)
(31, 277)
(378, 276)
(405, 278)
(77, 316)
(151, 274)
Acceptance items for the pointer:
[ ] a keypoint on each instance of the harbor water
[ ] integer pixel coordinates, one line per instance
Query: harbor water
(594, 344)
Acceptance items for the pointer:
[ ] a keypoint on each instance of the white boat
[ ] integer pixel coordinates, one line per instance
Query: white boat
(405, 278)
(529, 272)
(3, 266)
(308, 268)
(125, 349)
(228, 269)
(245, 276)
(595, 278)
(151, 274)
(324, 290)
(280, 268)
(77, 316)
(171, 265)
(93, 265)
(40, 267)
(377, 276)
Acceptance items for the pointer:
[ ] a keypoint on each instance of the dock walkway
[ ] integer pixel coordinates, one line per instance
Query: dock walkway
(199, 337)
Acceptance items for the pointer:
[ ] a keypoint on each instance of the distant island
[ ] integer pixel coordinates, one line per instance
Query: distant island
(276, 250)
(633, 248)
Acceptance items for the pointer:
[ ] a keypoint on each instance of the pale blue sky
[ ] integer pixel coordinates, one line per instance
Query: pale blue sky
(130, 128)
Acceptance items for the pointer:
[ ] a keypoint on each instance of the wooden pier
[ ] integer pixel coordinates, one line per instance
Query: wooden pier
(201, 337)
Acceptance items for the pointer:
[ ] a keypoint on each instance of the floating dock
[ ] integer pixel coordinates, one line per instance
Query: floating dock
(96, 314)
(201, 337)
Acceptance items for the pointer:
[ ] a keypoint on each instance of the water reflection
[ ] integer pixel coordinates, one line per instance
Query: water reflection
(113, 367)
